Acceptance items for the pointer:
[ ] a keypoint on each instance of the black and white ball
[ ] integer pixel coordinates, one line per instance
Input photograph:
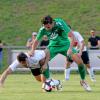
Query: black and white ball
(48, 86)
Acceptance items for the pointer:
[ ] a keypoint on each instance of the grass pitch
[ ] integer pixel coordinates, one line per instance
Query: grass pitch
(25, 87)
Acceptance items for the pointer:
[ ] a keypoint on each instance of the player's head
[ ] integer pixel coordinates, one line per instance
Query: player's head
(47, 22)
(22, 58)
(34, 34)
(92, 32)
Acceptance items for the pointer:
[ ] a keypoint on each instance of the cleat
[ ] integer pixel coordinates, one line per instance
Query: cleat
(59, 86)
(93, 79)
(85, 86)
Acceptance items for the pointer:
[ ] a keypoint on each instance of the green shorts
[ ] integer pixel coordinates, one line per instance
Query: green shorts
(58, 50)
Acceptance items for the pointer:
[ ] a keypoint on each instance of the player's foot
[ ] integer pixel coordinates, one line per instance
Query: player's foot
(93, 79)
(59, 86)
(85, 85)
(67, 78)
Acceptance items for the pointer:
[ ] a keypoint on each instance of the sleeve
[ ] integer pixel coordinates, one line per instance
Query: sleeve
(80, 38)
(14, 65)
(64, 26)
(40, 34)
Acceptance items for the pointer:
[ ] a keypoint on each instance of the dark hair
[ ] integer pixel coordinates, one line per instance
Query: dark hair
(47, 19)
(69, 26)
(21, 57)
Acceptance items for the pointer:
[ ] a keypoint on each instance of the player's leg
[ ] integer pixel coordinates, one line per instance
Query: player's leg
(68, 65)
(85, 59)
(39, 76)
(53, 51)
(81, 67)
(45, 72)
(82, 72)
(4, 75)
(67, 70)
(91, 73)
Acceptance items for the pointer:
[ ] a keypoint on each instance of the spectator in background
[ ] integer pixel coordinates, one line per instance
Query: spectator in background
(44, 43)
(31, 40)
(94, 41)
(1, 53)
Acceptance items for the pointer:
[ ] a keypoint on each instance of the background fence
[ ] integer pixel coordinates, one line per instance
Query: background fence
(58, 62)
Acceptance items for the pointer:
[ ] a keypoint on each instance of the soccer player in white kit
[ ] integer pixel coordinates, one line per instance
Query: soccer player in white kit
(37, 63)
(79, 43)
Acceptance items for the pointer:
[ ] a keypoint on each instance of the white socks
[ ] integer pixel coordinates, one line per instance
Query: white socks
(67, 73)
(91, 73)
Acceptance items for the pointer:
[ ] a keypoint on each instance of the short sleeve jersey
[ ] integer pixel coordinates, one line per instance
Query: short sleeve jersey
(78, 37)
(58, 35)
(33, 61)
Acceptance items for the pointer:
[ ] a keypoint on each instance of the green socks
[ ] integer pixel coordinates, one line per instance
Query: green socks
(82, 72)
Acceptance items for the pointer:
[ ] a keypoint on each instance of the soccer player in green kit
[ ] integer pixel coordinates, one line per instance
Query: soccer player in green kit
(57, 32)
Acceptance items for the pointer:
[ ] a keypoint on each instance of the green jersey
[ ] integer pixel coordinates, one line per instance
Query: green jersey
(58, 35)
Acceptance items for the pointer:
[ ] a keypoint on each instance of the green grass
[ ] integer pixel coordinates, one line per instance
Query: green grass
(19, 18)
(25, 87)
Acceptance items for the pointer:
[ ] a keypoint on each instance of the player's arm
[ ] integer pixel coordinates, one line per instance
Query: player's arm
(36, 41)
(81, 43)
(8, 71)
(44, 66)
(81, 47)
(70, 34)
(34, 46)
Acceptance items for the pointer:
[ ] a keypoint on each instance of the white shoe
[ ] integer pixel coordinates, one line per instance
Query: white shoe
(59, 86)
(93, 79)
(85, 86)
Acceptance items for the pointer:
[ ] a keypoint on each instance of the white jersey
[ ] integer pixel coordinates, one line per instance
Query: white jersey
(79, 38)
(33, 61)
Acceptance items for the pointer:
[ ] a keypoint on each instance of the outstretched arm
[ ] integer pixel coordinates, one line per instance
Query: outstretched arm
(71, 42)
(4, 76)
(46, 60)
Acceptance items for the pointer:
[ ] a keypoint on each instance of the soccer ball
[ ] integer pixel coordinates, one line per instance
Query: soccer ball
(48, 86)
(51, 84)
